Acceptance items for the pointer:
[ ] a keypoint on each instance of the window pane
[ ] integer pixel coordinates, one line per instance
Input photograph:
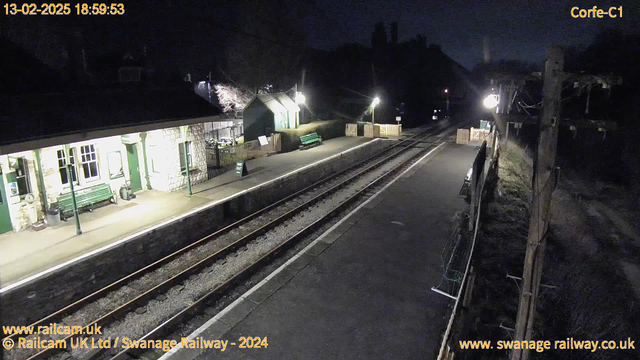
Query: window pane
(63, 176)
(22, 186)
(93, 166)
(85, 169)
(22, 176)
(181, 155)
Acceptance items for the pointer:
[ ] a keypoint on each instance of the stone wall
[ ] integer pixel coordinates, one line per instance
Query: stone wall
(23, 213)
(164, 166)
(44, 295)
(103, 146)
(162, 147)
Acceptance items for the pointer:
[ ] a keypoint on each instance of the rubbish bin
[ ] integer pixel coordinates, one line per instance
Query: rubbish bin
(53, 216)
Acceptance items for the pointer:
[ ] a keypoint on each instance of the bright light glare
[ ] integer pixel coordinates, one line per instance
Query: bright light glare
(376, 101)
(490, 101)
(446, 91)
(300, 99)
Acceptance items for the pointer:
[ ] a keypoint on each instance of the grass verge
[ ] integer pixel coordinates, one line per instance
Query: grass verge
(593, 299)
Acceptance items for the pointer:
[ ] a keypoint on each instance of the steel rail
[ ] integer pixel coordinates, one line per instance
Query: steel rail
(255, 266)
(165, 285)
(57, 315)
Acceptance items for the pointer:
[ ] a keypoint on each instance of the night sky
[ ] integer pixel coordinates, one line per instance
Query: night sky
(515, 29)
(195, 31)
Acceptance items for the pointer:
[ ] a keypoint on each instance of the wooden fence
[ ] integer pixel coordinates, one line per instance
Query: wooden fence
(351, 129)
(462, 136)
(225, 156)
(390, 130)
(375, 130)
(371, 130)
(474, 135)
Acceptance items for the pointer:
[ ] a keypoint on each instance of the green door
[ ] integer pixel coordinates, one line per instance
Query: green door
(5, 217)
(134, 168)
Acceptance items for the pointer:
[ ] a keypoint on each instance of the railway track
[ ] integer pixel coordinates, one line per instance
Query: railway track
(218, 253)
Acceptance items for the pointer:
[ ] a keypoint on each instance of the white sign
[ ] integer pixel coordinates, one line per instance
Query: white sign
(263, 140)
(398, 118)
(13, 189)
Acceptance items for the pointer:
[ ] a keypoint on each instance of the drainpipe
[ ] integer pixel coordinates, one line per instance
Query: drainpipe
(43, 191)
(143, 137)
(73, 194)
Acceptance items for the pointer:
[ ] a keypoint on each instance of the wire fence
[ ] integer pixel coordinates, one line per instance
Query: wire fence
(459, 251)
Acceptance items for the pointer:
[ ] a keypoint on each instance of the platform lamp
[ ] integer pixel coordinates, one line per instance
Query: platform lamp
(73, 193)
(300, 100)
(446, 91)
(184, 130)
(491, 101)
(374, 103)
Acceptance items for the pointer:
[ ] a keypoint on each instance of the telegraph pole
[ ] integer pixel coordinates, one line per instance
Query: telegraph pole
(543, 185)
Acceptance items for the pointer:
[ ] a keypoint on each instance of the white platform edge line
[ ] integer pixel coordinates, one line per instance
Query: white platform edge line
(230, 307)
(174, 219)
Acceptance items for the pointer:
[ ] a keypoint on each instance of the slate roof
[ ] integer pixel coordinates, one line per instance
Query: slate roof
(40, 116)
(276, 102)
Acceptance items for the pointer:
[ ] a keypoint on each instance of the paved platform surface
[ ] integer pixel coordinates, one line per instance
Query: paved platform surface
(28, 252)
(362, 290)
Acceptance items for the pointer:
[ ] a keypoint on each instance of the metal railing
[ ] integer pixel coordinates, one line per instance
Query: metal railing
(458, 254)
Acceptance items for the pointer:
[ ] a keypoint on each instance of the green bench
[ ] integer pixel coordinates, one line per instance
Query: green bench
(310, 140)
(85, 198)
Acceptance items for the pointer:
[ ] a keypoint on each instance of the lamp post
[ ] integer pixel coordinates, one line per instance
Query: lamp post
(184, 129)
(374, 103)
(446, 91)
(300, 100)
(73, 193)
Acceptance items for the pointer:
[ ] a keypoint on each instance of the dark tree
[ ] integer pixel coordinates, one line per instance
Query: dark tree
(379, 36)
(266, 45)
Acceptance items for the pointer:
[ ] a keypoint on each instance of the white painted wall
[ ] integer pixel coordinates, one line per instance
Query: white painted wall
(162, 150)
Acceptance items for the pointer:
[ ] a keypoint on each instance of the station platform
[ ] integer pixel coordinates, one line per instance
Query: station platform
(362, 290)
(28, 253)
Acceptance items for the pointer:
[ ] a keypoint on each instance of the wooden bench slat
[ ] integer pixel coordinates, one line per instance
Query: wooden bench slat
(85, 197)
(310, 139)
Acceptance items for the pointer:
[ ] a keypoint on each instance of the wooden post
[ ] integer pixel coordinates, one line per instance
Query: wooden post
(506, 137)
(543, 183)
(217, 152)
(471, 279)
(472, 195)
